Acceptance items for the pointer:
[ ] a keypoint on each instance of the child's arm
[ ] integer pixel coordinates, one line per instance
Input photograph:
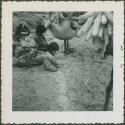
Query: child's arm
(41, 40)
(41, 43)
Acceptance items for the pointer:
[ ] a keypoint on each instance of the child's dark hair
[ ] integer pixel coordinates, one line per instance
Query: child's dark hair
(40, 28)
(22, 28)
(53, 47)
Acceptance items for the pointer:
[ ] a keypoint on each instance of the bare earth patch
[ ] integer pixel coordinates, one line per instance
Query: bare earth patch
(79, 85)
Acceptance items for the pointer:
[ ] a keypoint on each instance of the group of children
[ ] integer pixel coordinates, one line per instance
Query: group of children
(32, 49)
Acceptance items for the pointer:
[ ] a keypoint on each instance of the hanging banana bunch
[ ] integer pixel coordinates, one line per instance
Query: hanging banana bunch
(98, 26)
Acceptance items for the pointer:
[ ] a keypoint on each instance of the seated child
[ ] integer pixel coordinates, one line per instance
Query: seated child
(23, 45)
(50, 62)
(47, 58)
(40, 38)
(21, 31)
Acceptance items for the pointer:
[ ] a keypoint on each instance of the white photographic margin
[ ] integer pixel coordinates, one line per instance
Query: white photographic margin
(115, 116)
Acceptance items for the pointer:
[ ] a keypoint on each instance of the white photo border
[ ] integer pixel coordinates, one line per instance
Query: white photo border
(115, 116)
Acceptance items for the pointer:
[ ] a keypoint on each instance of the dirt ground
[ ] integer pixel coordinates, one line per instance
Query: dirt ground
(79, 85)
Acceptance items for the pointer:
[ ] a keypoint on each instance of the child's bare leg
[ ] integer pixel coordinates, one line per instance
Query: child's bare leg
(37, 60)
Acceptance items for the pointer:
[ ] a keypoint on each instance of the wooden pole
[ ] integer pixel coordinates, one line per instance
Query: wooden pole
(67, 44)
(65, 47)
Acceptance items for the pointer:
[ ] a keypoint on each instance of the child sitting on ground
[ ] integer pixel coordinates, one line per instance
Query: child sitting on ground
(23, 43)
(47, 58)
(21, 32)
(40, 38)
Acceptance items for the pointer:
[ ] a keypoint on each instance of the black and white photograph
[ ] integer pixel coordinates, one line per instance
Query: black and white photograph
(62, 60)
